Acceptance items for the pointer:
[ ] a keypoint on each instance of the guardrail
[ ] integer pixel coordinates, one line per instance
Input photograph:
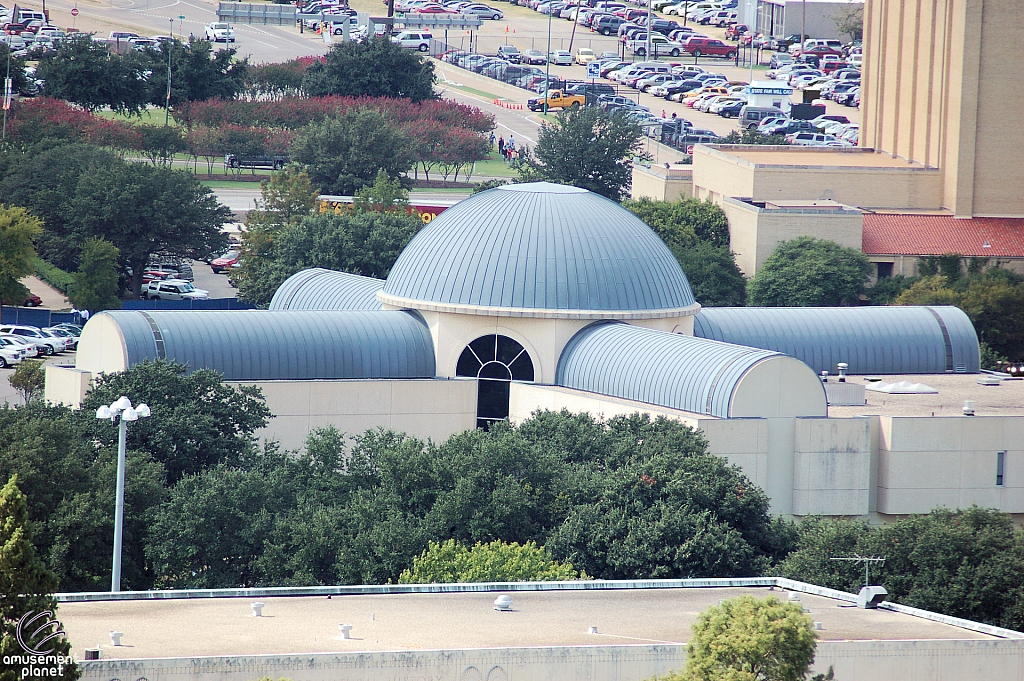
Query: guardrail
(245, 13)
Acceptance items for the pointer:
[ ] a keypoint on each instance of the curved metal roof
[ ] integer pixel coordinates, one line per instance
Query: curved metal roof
(539, 246)
(872, 340)
(656, 367)
(320, 289)
(255, 345)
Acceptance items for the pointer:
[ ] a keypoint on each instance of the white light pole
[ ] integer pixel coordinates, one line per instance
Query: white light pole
(122, 412)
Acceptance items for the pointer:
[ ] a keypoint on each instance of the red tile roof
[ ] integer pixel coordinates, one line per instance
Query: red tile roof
(902, 234)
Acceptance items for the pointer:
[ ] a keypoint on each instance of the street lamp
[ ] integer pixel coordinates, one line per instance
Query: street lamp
(122, 412)
(167, 45)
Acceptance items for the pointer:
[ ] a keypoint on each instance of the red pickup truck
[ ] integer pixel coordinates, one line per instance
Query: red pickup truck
(709, 46)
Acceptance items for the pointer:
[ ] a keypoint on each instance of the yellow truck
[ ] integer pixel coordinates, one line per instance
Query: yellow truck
(557, 99)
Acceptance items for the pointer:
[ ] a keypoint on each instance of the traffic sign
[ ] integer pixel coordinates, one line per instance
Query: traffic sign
(74, 11)
(593, 69)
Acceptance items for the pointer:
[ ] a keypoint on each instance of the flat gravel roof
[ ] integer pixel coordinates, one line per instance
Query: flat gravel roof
(396, 622)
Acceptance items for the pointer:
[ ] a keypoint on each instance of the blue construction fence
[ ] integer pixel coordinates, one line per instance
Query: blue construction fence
(40, 317)
(35, 316)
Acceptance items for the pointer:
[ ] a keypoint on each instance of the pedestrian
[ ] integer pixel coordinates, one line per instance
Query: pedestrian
(491, 140)
(674, 115)
(663, 114)
(501, 146)
(511, 142)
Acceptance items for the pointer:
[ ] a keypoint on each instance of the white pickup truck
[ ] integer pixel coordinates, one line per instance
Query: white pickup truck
(220, 31)
(173, 289)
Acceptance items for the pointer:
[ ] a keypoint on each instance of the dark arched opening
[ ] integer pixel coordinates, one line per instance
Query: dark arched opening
(495, 361)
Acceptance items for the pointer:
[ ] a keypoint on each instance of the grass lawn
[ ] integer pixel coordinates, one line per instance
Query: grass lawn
(153, 116)
(494, 167)
(230, 184)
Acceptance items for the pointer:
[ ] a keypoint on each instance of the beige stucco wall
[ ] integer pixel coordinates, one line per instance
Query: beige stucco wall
(810, 173)
(832, 467)
(66, 385)
(778, 387)
(423, 408)
(938, 89)
(754, 232)
(543, 339)
(101, 349)
(925, 462)
(662, 184)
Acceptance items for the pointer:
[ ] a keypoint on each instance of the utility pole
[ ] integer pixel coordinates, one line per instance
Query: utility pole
(547, 68)
(803, 24)
(167, 104)
(8, 93)
(867, 560)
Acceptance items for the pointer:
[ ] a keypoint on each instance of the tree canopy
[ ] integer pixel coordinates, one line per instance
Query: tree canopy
(496, 561)
(17, 229)
(96, 284)
(750, 639)
(375, 68)
(345, 152)
(587, 148)
(714, 276)
(808, 272)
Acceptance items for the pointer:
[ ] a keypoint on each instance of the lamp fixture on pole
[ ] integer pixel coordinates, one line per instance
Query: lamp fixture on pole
(121, 411)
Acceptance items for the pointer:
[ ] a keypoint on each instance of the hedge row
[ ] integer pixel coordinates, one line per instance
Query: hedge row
(54, 276)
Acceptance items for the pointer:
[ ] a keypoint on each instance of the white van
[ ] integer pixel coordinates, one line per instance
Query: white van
(702, 7)
(633, 69)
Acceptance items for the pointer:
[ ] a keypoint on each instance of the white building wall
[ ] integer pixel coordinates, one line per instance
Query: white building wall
(832, 467)
(977, 660)
(423, 408)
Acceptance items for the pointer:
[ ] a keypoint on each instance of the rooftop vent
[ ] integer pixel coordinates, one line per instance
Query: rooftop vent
(503, 603)
(968, 407)
(870, 596)
(115, 638)
(346, 631)
(257, 609)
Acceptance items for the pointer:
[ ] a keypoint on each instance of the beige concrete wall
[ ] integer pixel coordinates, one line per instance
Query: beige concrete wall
(778, 387)
(806, 173)
(526, 398)
(927, 462)
(921, 660)
(832, 467)
(754, 232)
(423, 408)
(66, 385)
(544, 339)
(662, 184)
(101, 349)
(938, 89)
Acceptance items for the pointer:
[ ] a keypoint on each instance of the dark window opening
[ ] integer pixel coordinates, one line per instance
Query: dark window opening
(496, 361)
(884, 270)
(1000, 468)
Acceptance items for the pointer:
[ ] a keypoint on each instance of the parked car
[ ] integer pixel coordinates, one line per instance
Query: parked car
(560, 58)
(510, 53)
(32, 301)
(534, 57)
(224, 262)
(173, 289)
(414, 40)
(220, 32)
(70, 338)
(30, 347)
(709, 46)
(50, 344)
(11, 353)
(659, 44)
(735, 31)
(584, 56)
(482, 12)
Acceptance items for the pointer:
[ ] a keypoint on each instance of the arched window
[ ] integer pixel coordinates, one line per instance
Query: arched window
(496, 361)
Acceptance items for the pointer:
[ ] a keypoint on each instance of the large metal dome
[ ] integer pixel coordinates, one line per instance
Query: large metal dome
(539, 249)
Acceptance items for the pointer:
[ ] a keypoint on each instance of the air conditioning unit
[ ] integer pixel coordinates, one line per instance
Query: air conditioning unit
(870, 596)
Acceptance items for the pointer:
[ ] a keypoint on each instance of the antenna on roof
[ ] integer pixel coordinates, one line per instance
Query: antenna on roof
(867, 560)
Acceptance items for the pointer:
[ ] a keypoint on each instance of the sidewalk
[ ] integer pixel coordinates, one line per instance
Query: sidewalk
(52, 298)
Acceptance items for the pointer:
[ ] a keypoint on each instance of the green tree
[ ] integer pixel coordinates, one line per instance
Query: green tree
(497, 561)
(714, 276)
(995, 305)
(96, 281)
(197, 72)
(287, 196)
(29, 379)
(85, 72)
(961, 563)
(750, 639)
(365, 243)
(385, 195)
(19, 81)
(807, 272)
(142, 210)
(161, 142)
(345, 152)
(929, 290)
(887, 289)
(681, 223)
(26, 586)
(588, 148)
(45, 183)
(197, 421)
(17, 229)
(375, 68)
